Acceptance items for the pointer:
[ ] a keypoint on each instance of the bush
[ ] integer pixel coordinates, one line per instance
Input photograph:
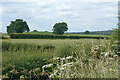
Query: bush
(49, 36)
(87, 32)
(35, 31)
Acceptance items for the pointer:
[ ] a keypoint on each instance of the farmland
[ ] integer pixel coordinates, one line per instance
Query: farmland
(57, 40)
(59, 58)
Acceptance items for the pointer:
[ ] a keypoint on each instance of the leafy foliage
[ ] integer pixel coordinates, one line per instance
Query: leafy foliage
(35, 31)
(60, 28)
(17, 26)
(87, 32)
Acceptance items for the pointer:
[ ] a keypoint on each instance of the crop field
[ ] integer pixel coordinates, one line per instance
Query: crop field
(59, 58)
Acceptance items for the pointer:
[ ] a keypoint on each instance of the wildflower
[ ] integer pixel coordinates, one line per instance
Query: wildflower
(62, 58)
(113, 45)
(96, 48)
(102, 53)
(110, 69)
(22, 77)
(106, 54)
(68, 64)
(49, 65)
(56, 58)
(62, 68)
(69, 57)
(111, 59)
(115, 56)
(52, 75)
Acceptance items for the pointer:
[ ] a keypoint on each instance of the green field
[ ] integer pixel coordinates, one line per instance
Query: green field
(50, 35)
(68, 34)
(72, 40)
(59, 58)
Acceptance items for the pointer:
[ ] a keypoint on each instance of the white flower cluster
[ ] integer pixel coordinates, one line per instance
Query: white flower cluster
(46, 66)
(56, 58)
(68, 64)
(62, 67)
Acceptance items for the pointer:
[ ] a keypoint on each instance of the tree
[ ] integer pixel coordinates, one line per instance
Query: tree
(17, 26)
(35, 31)
(60, 28)
(87, 32)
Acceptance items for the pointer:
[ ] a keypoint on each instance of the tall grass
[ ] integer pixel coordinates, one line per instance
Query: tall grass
(90, 59)
(100, 62)
(8, 46)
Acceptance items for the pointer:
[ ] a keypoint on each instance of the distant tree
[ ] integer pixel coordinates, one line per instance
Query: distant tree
(87, 32)
(60, 28)
(35, 31)
(17, 26)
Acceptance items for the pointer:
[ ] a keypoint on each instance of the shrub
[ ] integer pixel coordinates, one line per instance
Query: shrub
(87, 32)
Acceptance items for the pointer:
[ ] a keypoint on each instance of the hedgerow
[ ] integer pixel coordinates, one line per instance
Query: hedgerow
(50, 36)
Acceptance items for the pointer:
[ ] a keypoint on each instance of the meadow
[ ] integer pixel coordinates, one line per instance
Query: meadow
(59, 58)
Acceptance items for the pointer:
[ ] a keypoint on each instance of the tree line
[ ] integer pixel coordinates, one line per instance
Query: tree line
(20, 26)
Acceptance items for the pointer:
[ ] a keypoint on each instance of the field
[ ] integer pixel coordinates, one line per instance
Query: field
(69, 34)
(60, 40)
(59, 58)
(66, 34)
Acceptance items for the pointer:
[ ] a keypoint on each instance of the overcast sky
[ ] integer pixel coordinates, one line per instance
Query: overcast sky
(80, 16)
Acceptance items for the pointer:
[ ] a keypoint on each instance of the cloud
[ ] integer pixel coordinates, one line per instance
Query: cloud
(79, 15)
(109, 9)
(0, 26)
(59, 1)
(68, 14)
(43, 4)
(110, 15)
(45, 10)
(42, 17)
(63, 7)
(33, 11)
(64, 13)
(0, 10)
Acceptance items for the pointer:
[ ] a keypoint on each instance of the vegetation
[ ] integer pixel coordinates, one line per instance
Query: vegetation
(108, 32)
(17, 26)
(43, 59)
(51, 36)
(2, 37)
(119, 38)
(115, 37)
(44, 55)
(35, 31)
(87, 32)
(60, 28)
